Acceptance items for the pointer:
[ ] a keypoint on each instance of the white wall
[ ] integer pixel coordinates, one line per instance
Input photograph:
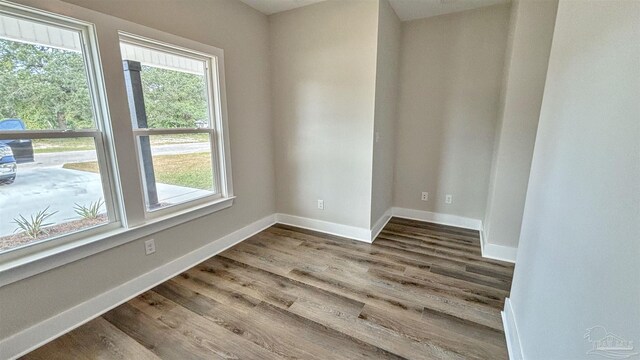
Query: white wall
(243, 35)
(323, 62)
(530, 34)
(386, 101)
(450, 76)
(579, 254)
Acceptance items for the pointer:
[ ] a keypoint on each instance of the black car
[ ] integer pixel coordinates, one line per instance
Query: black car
(23, 148)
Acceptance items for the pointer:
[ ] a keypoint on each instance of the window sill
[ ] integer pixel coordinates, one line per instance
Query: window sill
(36, 263)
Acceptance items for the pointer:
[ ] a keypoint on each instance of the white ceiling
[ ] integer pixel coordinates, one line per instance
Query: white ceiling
(269, 7)
(417, 9)
(406, 9)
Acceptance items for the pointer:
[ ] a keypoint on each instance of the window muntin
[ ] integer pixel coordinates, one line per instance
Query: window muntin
(52, 121)
(175, 89)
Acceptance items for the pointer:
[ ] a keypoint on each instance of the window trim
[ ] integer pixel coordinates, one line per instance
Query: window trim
(104, 31)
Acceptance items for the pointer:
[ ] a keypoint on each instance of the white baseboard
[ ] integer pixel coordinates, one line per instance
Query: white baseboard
(497, 252)
(380, 224)
(438, 218)
(511, 332)
(347, 231)
(31, 338)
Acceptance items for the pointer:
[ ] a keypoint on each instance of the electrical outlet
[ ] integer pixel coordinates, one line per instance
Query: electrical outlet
(425, 196)
(448, 199)
(321, 204)
(149, 247)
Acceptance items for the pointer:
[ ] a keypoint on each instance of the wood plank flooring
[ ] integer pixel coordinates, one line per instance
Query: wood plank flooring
(420, 291)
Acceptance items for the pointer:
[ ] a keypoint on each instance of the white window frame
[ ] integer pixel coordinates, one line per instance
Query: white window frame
(99, 134)
(118, 140)
(220, 165)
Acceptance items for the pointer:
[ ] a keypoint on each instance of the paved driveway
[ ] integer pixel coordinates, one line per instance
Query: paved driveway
(44, 183)
(57, 158)
(35, 189)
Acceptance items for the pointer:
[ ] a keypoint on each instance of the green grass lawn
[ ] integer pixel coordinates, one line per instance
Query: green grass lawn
(41, 146)
(189, 170)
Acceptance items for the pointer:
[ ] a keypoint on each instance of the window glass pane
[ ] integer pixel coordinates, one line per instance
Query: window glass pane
(43, 76)
(180, 169)
(174, 88)
(48, 188)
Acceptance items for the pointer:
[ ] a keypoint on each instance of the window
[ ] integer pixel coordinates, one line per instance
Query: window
(54, 174)
(65, 166)
(174, 101)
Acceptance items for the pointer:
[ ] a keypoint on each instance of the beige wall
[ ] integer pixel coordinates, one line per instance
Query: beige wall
(387, 68)
(531, 31)
(579, 253)
(323, 62)
(450, 77)
(243, 35)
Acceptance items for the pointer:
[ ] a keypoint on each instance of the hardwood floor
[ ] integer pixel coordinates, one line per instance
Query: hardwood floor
(420, 291)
